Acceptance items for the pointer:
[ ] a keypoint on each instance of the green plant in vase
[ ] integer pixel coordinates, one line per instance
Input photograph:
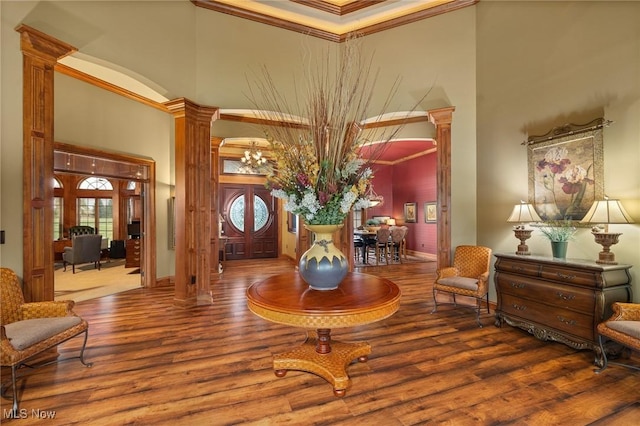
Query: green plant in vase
(559, 232)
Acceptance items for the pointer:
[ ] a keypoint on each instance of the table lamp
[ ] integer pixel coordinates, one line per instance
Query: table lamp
(604, 212)
(523, 213)
(391, 222)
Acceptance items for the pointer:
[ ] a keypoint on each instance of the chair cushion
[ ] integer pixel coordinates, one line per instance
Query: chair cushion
(460, 282)
(631, 328)
(25, 333)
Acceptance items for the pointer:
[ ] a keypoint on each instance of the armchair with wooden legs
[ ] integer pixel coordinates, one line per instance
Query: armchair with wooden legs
(29, 329)
(467, 276)
(623, 328)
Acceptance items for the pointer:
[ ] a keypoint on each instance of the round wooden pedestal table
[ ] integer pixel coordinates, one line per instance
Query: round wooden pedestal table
(287, 299)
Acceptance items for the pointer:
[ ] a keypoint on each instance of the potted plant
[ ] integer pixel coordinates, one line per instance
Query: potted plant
(372, 225)
(559, 232)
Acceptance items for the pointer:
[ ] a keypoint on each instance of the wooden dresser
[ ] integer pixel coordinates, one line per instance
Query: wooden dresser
(559, 300)
(133, 253)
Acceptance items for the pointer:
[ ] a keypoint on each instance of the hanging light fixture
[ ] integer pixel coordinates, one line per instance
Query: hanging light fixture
(252, 162)
(374, 199)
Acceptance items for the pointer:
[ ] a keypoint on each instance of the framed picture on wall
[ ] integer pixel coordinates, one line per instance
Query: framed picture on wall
(410, 213)
(430, 212)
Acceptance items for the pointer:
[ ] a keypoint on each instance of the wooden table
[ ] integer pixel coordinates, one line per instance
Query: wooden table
(287, 299)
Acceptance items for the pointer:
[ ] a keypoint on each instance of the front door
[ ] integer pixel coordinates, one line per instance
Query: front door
(250, 222)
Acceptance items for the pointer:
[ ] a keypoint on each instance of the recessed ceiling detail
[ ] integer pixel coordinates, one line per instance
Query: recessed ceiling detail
(334, 20)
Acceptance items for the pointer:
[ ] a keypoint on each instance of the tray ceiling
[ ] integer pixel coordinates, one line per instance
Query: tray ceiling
(334, 19)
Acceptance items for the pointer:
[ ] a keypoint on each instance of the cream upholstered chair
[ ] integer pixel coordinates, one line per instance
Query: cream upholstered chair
(624, 328)
(467, 276)
(28, 329)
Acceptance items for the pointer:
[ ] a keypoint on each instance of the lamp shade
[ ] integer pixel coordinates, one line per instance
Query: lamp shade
(391, 222)
(607, 211)
(524, 212)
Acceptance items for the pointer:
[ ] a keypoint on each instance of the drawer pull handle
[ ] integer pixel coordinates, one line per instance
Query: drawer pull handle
(517, 285)
(566, 321)
(565, 277)
(519, 307)
(565, 296)
(517, 268)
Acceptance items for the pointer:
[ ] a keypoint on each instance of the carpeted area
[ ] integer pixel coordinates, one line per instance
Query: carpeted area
(89, 282)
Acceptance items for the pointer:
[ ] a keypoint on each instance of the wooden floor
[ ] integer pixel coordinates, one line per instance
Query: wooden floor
(158, 364)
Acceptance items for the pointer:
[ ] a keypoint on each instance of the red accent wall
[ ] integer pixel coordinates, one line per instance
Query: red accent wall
(410, 181)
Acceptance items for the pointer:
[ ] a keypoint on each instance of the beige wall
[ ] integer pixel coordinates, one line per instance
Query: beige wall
(545, 64)
(507, 67)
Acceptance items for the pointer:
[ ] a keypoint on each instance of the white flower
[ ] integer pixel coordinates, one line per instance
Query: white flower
(347, 202)
(280, 193)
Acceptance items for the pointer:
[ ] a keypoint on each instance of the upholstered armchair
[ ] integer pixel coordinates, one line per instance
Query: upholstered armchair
(28, 329)
(85, 248)
(624, 328)
(467, 276)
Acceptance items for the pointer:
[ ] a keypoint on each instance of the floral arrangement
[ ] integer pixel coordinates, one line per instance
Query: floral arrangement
(320, 172)
(573, 178)
(558, 230)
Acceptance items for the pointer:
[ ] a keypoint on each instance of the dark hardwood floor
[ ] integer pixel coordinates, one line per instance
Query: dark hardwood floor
(154, 363)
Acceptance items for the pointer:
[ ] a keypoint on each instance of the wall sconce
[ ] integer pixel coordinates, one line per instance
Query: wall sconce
(523, 213)
(605, 212)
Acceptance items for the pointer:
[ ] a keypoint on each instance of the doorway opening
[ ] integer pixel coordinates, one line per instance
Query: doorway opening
(131, 202)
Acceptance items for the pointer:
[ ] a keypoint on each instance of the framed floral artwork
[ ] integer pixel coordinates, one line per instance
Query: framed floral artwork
(410, 213)
(430, 212)
(566, 170)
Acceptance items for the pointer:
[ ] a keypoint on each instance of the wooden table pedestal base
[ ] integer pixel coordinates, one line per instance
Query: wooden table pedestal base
(330, 366)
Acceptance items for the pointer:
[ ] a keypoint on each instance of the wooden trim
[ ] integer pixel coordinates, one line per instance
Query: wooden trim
(74, 73)
(335, 9)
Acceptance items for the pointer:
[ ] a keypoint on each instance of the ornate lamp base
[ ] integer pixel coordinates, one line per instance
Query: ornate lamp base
(606, 240)
(523, 235)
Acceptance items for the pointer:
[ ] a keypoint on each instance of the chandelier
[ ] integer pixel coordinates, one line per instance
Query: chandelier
(253, 162)
(374, 199)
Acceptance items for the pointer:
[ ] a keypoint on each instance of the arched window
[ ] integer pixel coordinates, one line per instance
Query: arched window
(98, 183)
(96, 210)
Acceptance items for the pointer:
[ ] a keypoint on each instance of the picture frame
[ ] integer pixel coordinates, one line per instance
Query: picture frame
(430, 212)
(565, 169)
(410, 212)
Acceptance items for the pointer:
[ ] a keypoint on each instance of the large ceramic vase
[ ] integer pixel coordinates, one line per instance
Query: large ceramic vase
(323, 266)
(559, 249)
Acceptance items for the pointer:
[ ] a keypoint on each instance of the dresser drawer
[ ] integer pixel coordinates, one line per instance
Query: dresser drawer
(569, 275)
(564, 320)
(518, 267)
(562, 296)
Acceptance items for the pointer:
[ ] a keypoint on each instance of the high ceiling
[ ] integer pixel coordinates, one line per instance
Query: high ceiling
(334, 19)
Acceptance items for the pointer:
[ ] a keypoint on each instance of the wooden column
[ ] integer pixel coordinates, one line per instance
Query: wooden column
(216, 245)
(441, 118)
(40, 53)
(193, 201)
